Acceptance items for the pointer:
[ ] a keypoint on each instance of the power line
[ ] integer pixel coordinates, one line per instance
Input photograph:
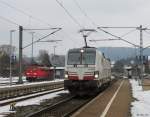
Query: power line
(50, 41)
(41, 38)
(117, 27)
(117, 36)
(75, 21)
(103, 40)
(8, 20)
(70, 38)
(37, 37)
(84, 13)
(21, 11)
(42, 29)
(147, 32)
(128, 33)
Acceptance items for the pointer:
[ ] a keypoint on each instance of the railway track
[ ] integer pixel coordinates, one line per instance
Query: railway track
(20, 110)
(63, 108)
(18, 99)
(22, 90)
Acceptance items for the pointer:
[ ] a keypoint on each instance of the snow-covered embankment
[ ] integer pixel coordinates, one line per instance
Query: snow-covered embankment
(141, 104)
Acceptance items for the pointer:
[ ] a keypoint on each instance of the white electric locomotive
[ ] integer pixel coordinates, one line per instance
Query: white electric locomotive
(86, 71)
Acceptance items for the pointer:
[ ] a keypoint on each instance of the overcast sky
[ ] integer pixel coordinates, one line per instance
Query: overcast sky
(48, 13)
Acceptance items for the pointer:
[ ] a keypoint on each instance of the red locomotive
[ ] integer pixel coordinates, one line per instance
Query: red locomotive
(34, 73)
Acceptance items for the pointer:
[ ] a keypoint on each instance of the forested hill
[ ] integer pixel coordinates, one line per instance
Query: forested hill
(116, 53)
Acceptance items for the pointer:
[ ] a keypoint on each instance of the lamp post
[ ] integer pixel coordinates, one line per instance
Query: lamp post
(32, 33)
(54, 63)
(10, 60)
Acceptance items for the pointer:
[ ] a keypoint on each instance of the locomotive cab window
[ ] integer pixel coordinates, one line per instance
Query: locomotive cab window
(84, 57)
(74, 58)
(88, 58)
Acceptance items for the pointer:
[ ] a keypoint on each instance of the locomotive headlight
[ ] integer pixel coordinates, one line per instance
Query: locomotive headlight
(96, 75)
(66, 74)
(81, 50)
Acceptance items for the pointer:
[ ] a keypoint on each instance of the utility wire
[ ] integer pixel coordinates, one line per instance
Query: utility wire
(70, 38)
(41, 38)
(147, 32)
(68, 13)
(117, 37)
(84, 13)
(128, 33)
(8, 20)
(42, 29)
(120, 38)
(75, 21)
(104, 40)
(25, 13)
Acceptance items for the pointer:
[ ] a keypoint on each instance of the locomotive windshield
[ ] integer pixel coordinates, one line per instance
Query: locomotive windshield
(77, 57)
(88, 58)
(74, 58)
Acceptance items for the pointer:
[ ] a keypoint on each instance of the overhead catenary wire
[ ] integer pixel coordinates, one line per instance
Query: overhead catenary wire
(9, 21)
(41, 38)
(131, 31)
(41, 35)
(25, 13)
(42, 29)
(84, 13)
(117, 37)
(70, 38)
(108, 39)
(147, 32)
(69, 14)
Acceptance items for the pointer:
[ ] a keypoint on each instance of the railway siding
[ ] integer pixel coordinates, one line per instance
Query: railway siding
(15, 91)
(120, 106)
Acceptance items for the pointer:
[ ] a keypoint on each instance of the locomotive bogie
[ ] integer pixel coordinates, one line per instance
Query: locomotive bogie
(86, 87)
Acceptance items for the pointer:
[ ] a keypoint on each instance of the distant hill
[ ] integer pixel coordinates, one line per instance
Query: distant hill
(116, 53)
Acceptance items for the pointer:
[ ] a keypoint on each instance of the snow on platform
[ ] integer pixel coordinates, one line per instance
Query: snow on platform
(141, 105)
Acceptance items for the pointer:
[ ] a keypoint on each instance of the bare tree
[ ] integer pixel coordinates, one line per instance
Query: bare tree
(7, 48)
(44, 58)
(4, 64)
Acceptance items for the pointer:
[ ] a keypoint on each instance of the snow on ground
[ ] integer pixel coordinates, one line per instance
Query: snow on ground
(34, 101)
(5, 82)
(14, 79)
(141, 106)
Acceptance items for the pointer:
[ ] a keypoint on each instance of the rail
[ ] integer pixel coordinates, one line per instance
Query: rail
(63, 108)
(15, 91)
